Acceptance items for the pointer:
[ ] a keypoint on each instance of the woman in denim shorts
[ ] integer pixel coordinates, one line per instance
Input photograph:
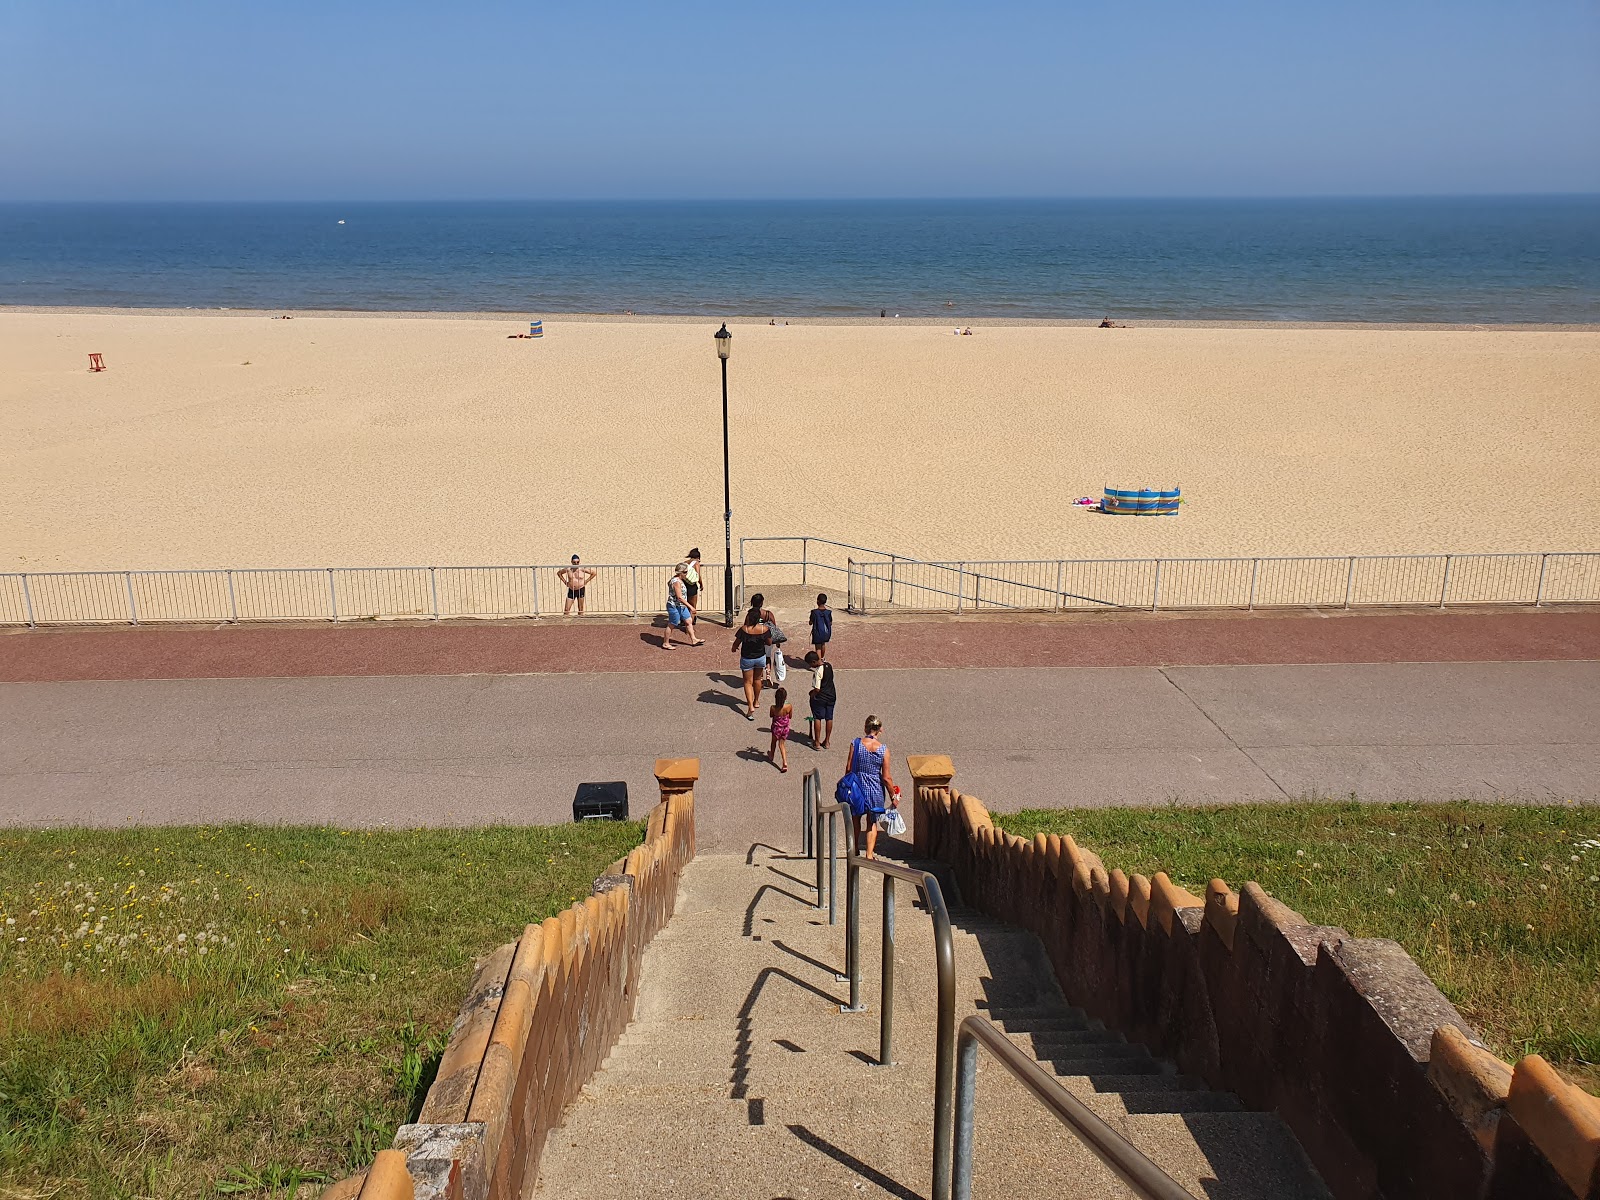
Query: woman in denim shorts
(750, 640)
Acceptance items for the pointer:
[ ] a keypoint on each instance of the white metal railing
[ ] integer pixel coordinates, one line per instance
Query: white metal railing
(331, 594)
(1350, 581)
(878, 581)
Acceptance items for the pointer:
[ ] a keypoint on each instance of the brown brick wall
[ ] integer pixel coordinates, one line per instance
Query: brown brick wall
(1379, 1077)
(540, 1016)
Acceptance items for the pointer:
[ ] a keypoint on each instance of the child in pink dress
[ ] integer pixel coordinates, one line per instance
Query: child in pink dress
(781, 713)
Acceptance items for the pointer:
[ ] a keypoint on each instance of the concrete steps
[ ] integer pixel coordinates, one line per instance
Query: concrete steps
(741, 1078)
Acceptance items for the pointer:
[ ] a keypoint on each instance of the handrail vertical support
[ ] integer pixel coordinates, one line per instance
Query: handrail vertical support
(1255, 570)
(433, 590)
(133, 607)
(1155, 593)
(966, 1116)
(833, 869)
(634, 571)
(1061, 600)
(852, 943)
(894, 564)
(1444, 587)
(333, 597)
(27, 602)
(1538, 592)
(886, 997)
(805, 555)
(1349, 580)
(961, 584)
(233, 601)
(534, 571)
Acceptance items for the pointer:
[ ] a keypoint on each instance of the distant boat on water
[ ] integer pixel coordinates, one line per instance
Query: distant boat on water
(341, 220)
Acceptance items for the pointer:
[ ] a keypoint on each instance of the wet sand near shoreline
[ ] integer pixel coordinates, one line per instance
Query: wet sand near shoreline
(227, 438)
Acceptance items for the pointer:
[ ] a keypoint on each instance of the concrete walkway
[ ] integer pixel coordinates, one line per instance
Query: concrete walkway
(471, 749)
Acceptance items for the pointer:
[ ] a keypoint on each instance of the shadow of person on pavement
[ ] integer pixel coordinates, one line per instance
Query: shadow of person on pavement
(726, 699)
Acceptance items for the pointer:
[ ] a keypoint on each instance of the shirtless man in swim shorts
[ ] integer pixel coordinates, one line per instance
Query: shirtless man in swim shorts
(576, 578)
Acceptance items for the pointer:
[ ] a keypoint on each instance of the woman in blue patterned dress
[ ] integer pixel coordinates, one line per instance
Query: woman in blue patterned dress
(873, 788)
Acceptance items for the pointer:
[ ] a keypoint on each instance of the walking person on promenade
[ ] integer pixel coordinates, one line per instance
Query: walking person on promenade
(821, 625)
(679, 614)
(867, 782)
(693, 581)
(750, 640)
(576, 578)
(781, 712)
(823, 698)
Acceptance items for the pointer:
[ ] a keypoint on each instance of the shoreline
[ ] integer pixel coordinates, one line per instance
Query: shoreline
(840, 321)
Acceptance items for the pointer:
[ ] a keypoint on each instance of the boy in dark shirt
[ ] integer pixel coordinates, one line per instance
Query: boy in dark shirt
(821, 626)
(823, 698)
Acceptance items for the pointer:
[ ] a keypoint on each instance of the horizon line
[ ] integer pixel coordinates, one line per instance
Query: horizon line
(999, 199)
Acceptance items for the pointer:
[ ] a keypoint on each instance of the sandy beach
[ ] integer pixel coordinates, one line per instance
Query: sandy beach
(230, 439)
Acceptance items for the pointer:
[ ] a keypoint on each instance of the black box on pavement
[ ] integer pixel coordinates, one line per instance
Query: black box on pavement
(601, 802)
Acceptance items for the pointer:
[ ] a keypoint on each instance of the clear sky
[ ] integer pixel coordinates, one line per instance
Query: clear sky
(433, 99)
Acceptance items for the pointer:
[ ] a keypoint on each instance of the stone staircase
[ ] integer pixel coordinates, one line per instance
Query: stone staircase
(740, 1078)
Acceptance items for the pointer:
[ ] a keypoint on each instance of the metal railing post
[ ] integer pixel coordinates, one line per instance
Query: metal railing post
(1155, 595)
(133, 607)
(1349, 580)
(893, 565)
(433, 589)
(534, 571)
(961, 584)
(1255, 569)
(833, 869)
(886, 995)
(852, 934)
(27, 602)
(1444, 588)
(1061, 600)
(1538, 592)
(634, 570)
(944, 1062)
(233, 601)
(333, 597)
(808, 806)
(805, 556)
(966, 1114)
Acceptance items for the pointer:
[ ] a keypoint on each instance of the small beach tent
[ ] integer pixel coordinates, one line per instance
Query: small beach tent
(1141, 502)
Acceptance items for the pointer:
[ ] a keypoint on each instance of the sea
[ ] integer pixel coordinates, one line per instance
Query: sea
(1482, 260)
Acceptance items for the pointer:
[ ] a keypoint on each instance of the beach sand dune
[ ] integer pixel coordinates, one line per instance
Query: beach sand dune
(230, 439)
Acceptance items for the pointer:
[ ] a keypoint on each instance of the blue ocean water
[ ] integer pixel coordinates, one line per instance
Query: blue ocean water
(1489, 260)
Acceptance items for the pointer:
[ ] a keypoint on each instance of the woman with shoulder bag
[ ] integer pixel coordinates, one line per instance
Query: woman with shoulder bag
(867, 786)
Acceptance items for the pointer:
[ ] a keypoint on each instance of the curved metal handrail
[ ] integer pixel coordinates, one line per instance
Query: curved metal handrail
(1129, 1163)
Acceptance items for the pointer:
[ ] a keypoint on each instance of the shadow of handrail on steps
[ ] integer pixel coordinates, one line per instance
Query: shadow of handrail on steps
(854, 1164)
(741, 1038)
(750, 910)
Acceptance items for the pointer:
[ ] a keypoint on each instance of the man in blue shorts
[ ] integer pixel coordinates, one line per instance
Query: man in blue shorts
(823, 698)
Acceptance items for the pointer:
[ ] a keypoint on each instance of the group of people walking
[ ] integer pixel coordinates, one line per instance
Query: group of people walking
(867, 784)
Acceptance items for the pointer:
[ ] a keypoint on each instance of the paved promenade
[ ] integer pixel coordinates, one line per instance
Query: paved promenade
(516, 647)
(389, 746)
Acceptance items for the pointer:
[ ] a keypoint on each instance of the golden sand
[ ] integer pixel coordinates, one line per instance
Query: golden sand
(231, 439)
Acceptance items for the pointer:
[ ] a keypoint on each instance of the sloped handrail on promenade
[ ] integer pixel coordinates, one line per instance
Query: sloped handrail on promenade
(1152, 584)
(1128, 1162)
(927, 886)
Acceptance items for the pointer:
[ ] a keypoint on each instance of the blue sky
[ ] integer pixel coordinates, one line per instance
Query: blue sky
(345, 99)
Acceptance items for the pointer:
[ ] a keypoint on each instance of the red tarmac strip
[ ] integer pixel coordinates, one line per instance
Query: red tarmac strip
(244, 652)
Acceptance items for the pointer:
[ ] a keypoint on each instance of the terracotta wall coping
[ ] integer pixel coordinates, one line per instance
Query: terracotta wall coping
(930, 770)
(677, 774)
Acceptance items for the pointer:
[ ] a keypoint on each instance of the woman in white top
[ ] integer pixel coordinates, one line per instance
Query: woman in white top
(692, 581)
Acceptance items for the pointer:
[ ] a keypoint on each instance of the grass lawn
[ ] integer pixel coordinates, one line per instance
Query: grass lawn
(1499, 904)
(245, 1010)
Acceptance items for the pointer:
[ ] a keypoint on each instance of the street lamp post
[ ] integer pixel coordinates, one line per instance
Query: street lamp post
(724, 341)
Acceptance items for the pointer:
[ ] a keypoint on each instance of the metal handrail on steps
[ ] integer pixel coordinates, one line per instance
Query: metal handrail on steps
(944, 959)
(1125, 1159)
